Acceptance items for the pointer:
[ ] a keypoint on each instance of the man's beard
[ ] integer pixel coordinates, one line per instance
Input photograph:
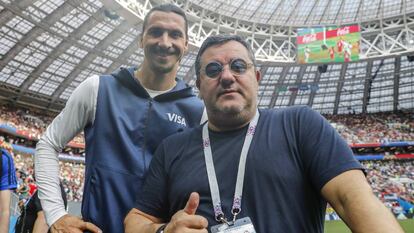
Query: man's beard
(228, 110)
(230, 117)
(160, 67)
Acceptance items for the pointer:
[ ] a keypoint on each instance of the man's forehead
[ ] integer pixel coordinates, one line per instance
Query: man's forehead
(226, 51)
(166, 20)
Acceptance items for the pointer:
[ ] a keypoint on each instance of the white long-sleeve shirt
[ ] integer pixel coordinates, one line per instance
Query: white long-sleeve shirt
(79, 111)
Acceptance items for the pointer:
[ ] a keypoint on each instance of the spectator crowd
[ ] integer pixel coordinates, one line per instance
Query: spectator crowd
(30, 124)
(354, 128)
(389, 178)
(71, 175)
(375, 127)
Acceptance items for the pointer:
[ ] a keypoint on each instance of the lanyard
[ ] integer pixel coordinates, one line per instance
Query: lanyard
(211, 173)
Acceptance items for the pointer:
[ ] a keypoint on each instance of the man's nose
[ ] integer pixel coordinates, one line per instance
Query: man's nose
(227, 77)
(165, 40)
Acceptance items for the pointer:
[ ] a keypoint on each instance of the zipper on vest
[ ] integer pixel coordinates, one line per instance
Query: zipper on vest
(144, 146)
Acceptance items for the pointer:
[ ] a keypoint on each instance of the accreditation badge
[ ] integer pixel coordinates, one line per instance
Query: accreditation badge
(243, 225)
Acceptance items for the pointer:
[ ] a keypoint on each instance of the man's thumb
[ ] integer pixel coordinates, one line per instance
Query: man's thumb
(192, 203)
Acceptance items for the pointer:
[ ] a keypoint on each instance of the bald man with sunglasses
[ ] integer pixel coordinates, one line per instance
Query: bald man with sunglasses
(250, 170)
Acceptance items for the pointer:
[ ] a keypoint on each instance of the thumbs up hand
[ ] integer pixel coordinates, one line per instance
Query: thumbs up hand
(185, 220)
(192, 204)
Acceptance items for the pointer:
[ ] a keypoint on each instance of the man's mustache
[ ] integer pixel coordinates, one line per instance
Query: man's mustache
(163, 51)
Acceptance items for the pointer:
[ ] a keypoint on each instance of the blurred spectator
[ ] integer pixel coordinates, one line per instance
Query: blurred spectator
(32, 218)
(7, 183)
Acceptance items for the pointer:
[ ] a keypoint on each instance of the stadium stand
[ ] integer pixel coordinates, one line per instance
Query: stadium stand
(378, 140)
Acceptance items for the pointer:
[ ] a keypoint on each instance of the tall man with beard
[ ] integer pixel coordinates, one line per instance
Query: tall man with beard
(250, 170)
(124, 116)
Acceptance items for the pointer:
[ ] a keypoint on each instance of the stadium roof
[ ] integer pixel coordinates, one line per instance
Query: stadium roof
(306, 13)
(47, 47)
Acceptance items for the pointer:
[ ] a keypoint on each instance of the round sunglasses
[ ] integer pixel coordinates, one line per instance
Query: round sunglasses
(237, 67)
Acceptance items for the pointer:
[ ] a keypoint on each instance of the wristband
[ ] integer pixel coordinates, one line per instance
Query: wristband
(161, 229)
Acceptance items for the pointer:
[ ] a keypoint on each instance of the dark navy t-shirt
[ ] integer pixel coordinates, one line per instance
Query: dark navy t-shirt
(294, 153)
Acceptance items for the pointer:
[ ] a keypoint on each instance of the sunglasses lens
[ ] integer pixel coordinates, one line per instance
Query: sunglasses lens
(238, 66)
(213, 69)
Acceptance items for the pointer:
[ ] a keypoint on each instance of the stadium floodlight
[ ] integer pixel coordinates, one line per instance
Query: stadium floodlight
(111, 14)
(322, 68)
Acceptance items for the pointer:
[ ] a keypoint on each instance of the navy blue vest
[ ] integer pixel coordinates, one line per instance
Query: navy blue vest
(128, 127)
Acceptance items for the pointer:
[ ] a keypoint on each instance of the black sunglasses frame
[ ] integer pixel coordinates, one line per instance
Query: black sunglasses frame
(220, 68)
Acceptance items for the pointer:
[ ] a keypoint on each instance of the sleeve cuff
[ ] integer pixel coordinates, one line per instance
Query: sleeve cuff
(52, 217)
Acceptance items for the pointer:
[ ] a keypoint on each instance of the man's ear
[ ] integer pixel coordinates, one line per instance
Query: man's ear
(199, 90)
(140, 45)
(258, 76)
(185, 50)
(198, 83)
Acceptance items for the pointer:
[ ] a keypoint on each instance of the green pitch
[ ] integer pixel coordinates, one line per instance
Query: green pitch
(340, 227)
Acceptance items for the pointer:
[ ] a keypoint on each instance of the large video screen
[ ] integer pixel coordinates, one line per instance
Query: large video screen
(328, 44)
